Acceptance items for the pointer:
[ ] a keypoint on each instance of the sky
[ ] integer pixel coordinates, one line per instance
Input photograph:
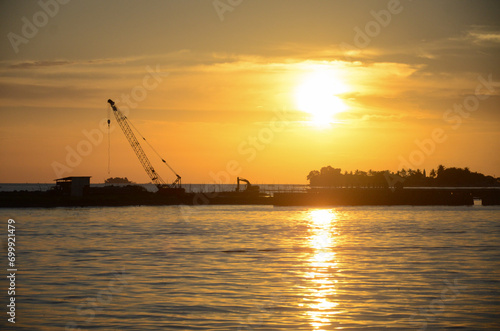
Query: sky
(264, 90)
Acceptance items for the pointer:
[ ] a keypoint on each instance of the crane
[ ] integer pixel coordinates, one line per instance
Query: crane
(141, 155)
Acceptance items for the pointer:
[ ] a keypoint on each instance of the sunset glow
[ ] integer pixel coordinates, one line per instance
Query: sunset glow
(205, 88)
(250, 164)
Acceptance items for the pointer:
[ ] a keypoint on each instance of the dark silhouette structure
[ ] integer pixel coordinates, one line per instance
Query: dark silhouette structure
(442, 177)
(444, 186)
(72, 186)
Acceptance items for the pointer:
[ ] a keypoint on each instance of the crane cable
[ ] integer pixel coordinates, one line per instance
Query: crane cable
(154, 150)
(109, 140)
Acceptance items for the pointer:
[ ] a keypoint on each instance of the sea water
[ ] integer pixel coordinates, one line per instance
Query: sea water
(253, 268)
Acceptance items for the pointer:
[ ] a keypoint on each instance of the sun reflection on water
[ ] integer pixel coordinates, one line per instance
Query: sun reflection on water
(321, 290)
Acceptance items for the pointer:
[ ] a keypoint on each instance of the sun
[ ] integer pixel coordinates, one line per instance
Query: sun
(318, 95)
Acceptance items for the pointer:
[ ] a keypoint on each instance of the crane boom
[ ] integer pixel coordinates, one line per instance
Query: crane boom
(141, 155)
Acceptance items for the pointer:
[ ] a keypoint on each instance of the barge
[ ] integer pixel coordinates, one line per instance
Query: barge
(137, 195)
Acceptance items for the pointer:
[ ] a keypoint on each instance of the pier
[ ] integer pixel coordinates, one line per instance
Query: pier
(317, 197)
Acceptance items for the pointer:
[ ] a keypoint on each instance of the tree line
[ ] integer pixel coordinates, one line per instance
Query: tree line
(440, 177)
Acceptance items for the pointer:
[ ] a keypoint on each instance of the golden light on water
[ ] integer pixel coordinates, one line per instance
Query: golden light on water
(319, 95)
(322, 285)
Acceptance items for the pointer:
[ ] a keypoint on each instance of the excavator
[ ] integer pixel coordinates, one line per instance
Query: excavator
(163, 188)
(249, 187)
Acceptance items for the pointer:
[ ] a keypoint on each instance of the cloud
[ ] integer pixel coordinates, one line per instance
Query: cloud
(484, 35)
(31, 64)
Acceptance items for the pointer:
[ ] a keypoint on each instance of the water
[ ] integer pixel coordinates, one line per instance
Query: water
(255, 268)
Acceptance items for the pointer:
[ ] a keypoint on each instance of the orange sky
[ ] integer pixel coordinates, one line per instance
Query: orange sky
(218, 90)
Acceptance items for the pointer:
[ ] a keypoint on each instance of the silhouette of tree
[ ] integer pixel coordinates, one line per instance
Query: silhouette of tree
(453, 177)
(313, 174)
(440, 170)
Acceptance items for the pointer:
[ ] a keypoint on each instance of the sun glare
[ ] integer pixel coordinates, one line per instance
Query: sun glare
(318, 95)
